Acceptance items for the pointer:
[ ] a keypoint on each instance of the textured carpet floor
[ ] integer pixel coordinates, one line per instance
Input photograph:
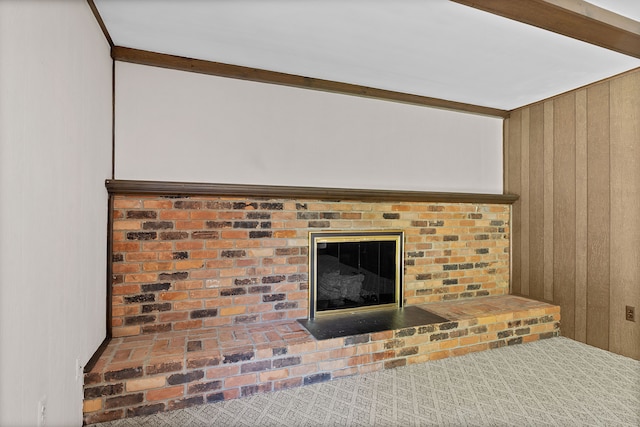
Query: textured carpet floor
(557, 382)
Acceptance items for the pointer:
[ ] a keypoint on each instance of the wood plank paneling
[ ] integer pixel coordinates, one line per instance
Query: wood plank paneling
(536, 201)
(564, 209)
(524, 203)
(581, 216)
(548, 200)
(581, 182)
(513, 160)
(597, 328)
(624, 336)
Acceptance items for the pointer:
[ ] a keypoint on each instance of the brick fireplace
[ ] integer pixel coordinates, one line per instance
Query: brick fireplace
(206, 292)
(184, 263)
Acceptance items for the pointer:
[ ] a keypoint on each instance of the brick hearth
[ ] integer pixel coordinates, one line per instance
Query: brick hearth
(146, 374)
(206, 292)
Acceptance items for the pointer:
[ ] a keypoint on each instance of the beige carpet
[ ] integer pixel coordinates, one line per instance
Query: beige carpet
(556, 382)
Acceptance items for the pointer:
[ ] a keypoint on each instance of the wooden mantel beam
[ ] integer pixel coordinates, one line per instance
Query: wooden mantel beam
(572, 18)
(120, 186)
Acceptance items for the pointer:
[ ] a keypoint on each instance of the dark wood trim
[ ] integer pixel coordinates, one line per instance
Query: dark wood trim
(96, 355)
(101, 348)
(109, 264)
(155, 59)
(572, 18)
(287, 192)
(103, 27)
(113, 119)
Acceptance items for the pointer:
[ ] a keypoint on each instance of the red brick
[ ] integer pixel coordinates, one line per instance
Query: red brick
(165, 393)
(126, 246)
(172, 296)
(191, 324)
(303, 370)
(203, 214)
(157, 204)
(157, 266)
(253, 243)
(127, 225)
(188, 285)
(274, 375)
(126, 331)
(218, 302)
(359, 360)
(92, 405)
(343, 352)
(240, 380)
(141, 256)
(189, 245)
(156, 246)
(234, 234)
(316, 356)
(204, 254)
(344, 372)
(125, 289)
(273, 316)
(204, 293)
(145, 383)
(220, 263)
(222, 372)
(126, 203)
(187, 305)
(287, 383)
(174, 214)
(332, 365)
(173, 316)
(389, 354)
(285, 234)
(189, 225)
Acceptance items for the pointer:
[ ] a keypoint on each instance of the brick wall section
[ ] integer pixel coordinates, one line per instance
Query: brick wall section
(182, 263)
(129, 382)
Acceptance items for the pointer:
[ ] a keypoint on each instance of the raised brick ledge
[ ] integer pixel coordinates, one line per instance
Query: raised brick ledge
(145, 374)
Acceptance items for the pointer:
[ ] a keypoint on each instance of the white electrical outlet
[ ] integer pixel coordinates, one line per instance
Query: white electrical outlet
(42, 412)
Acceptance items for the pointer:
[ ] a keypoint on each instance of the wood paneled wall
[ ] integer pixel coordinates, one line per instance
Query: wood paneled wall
(575, 162)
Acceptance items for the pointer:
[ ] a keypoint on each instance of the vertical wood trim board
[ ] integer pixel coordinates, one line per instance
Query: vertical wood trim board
(624, 336)
(513, 162)
(548, 200)
(564, 209)
(524, 203)
(536, 202)
(598, 238)
(581, 216)
(575, 162)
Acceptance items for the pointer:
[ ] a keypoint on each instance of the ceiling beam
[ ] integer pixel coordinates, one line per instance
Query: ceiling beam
(155, 59)
(572, 18)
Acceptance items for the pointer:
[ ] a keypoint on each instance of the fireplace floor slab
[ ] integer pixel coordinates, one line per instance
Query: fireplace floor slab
(365, 322)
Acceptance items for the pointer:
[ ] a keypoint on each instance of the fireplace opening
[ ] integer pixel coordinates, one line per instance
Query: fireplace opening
(355, 271)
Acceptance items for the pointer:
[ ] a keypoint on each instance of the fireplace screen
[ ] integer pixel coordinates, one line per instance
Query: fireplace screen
(355, 271)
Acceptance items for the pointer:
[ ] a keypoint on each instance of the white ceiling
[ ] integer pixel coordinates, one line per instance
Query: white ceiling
(434, 48)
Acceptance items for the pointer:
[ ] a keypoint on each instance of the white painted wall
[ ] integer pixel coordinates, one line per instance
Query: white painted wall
(179, 126)
(55, 153)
